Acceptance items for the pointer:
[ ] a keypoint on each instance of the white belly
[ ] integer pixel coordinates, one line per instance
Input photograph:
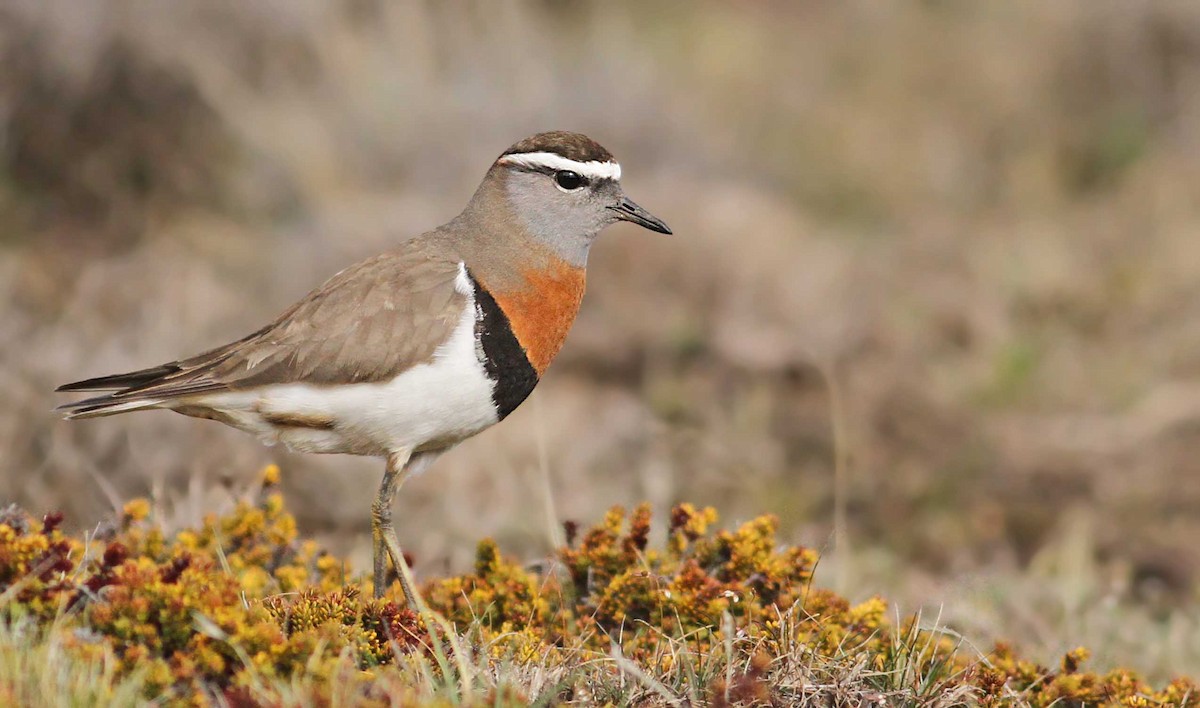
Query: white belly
(427, 407)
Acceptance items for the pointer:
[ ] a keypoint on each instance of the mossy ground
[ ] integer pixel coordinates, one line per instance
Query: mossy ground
(243, 612)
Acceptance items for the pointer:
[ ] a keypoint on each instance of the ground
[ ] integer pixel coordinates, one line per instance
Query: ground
(241, 611)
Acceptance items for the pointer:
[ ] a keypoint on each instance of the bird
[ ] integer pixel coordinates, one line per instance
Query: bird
(406, 354)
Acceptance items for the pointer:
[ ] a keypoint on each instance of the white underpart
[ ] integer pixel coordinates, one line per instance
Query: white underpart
(428, 407)
(593, 169)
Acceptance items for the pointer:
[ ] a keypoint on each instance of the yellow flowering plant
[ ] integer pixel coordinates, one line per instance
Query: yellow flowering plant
(241, 610)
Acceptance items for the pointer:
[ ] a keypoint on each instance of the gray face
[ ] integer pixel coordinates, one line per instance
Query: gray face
(565, 219)
(566, 210)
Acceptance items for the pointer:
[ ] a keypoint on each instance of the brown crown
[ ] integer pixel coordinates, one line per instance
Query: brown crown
(573, 146)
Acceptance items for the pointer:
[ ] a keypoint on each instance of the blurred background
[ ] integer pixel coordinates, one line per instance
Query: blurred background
(935, 277)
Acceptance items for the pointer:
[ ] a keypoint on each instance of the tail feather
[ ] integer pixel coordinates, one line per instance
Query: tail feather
(136, 390)
(101, 406)
(131, 380)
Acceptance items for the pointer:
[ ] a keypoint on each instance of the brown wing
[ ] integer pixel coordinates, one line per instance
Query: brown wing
(367, 323)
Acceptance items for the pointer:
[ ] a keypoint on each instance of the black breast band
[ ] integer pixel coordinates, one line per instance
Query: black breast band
(504, 360)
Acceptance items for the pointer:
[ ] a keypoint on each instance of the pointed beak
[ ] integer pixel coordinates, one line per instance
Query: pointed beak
(627, 210)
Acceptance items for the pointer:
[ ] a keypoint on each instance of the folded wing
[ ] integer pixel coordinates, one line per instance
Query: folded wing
(368, 323)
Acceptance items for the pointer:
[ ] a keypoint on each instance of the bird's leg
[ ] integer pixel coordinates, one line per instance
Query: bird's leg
(378, 553)
(383, 534)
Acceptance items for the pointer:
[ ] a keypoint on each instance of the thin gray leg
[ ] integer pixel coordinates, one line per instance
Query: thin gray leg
(383, 534)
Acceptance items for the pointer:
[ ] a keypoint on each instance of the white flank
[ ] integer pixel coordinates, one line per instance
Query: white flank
(429, 406)
(592, 169)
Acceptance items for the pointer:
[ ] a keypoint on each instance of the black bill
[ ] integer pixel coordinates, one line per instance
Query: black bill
(629, 211)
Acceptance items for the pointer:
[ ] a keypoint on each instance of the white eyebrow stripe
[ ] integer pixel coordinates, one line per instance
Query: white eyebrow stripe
(593, 169)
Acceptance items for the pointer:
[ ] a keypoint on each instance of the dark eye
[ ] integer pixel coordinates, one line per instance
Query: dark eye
(569, 180)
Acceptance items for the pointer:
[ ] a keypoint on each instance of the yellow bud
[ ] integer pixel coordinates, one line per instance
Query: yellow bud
(270, 475)
(136, 509)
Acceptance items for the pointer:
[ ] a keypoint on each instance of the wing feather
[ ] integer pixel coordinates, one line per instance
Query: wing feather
(368, 323)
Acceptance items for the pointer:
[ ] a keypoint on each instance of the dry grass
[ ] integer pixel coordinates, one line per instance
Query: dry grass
(33, 667)
(981, 219)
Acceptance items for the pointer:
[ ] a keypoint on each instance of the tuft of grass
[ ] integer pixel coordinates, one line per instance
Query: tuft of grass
(38, 666)
(241, 611)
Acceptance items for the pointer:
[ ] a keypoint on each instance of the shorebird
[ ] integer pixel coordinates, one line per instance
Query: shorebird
(410, 352)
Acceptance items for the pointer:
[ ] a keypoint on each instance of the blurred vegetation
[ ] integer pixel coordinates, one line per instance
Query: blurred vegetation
(976, 220)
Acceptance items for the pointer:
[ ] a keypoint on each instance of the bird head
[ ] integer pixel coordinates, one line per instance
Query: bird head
(562, 188)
